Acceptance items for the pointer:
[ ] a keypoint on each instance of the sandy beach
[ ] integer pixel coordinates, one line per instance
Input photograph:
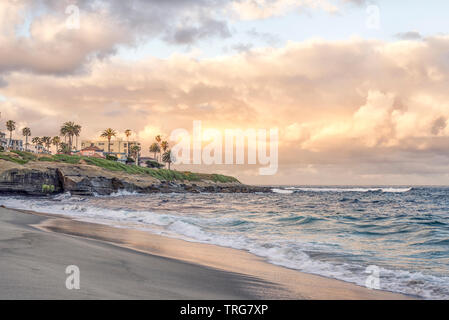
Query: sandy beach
(118, 263)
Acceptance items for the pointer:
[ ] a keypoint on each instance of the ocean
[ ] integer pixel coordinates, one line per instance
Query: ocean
(336, 232)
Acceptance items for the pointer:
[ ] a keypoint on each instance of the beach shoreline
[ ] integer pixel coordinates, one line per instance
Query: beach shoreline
(246, 276)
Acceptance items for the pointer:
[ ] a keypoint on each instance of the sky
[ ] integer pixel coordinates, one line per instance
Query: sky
(357, 89)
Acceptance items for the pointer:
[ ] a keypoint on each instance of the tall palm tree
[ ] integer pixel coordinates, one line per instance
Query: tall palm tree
(167, 158)
(76, 132)
(135, 150)
(26, 132)
(155, 149)
(69, 130)
(56, 141)
(164, 146)
(128, 133)
(64, 131)
(109, 133)
(10, 126)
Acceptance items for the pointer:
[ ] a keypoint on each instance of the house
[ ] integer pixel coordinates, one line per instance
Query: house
(3, 140)
(15, 144)
(92, 151)
(36, 149)
(118, 146)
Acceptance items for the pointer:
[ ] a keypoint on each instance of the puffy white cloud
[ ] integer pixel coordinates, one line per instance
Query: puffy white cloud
(39, 36)
(356, 108)
(34, 34)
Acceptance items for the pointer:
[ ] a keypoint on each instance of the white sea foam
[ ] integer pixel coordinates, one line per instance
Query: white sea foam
(119, 193)
(282, 191)
(318, 189)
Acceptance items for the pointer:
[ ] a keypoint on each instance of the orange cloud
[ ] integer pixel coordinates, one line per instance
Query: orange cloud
(339, 104)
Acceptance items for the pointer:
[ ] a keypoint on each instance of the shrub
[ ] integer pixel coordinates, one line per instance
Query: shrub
(153, 164)
(130, 160)
(111, 158)
(48, 188)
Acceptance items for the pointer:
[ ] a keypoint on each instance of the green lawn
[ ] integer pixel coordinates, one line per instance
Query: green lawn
(160, 174)
(12, 159)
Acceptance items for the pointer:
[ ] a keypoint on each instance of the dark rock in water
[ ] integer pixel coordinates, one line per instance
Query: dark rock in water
(40, 178)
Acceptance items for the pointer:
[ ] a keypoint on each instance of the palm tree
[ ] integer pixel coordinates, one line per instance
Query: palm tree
(135, 150)
(64, 148)
(155, 149)
(167, 158)
(69, 130)
(158, 140)
(128, 132)
(56, 141)
(47, 142)
(164, 145)
(10, 126)
(109, 133)
(64, 131)
(36, 141)
(76, 132)
(26, 132)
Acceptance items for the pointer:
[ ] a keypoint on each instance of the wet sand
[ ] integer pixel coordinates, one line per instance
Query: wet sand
(118, 263)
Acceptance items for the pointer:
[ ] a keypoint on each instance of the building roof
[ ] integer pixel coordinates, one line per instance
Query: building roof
(98, 156)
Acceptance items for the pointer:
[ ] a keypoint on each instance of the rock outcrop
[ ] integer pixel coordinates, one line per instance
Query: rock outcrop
(40, 178)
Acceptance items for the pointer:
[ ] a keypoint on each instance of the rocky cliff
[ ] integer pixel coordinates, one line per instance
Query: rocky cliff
(40, 178)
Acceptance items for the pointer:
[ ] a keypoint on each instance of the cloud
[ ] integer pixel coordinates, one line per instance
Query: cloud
(46, 45)
(242, 47)
(3, 83)
(438, 126)
(360, 109)
(410, 35)
(188, 34)
(357, 2)
(35, 37)
(262, 9)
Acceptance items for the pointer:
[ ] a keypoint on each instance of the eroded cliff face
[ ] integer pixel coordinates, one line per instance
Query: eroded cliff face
(28, 181)
(40, 178)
